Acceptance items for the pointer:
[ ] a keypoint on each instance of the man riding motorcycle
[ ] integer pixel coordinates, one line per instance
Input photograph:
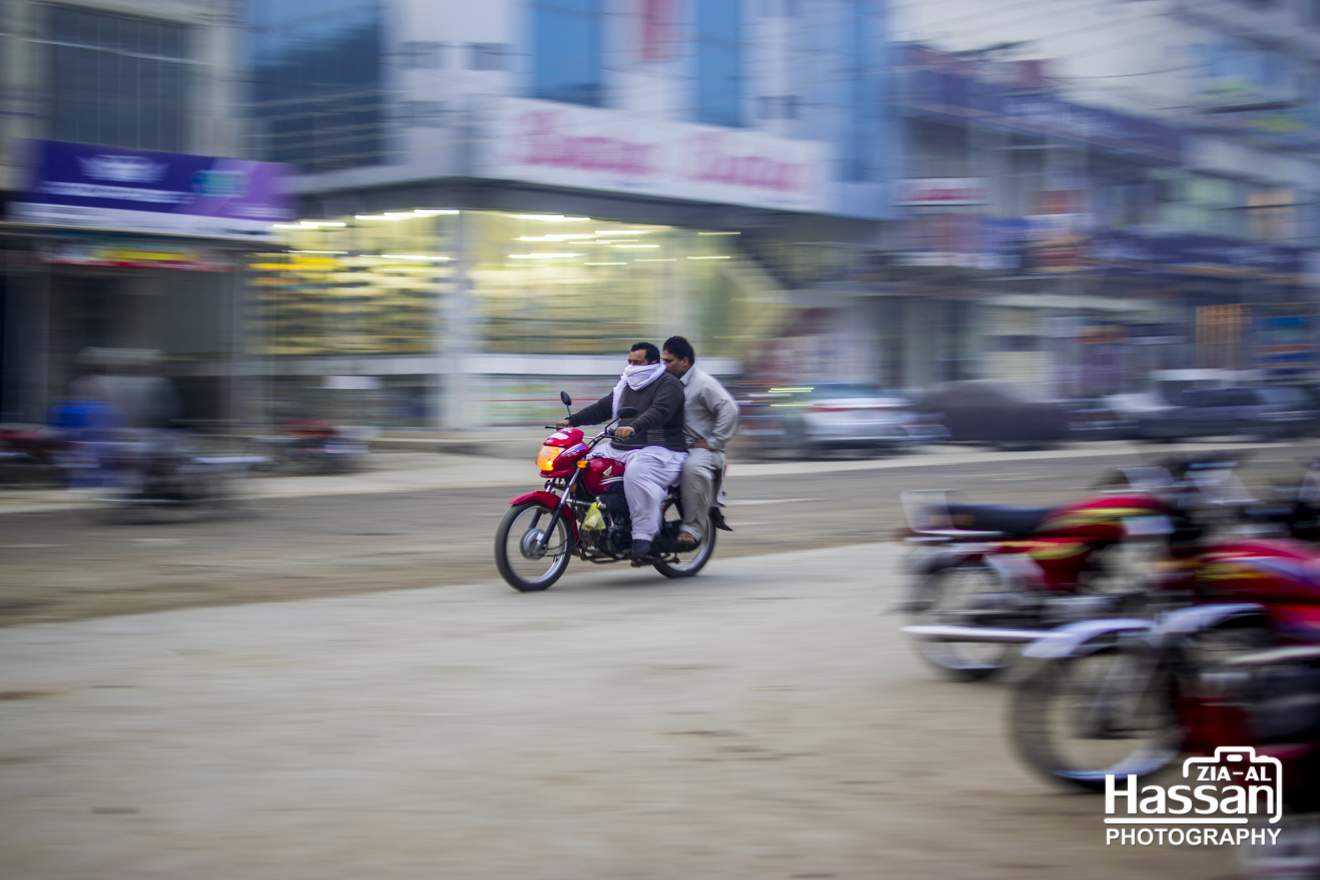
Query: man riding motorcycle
(652, 444)
(710, 416)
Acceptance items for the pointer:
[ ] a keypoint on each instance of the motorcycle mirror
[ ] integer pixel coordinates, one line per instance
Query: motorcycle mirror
(627, 412)
(565, 399)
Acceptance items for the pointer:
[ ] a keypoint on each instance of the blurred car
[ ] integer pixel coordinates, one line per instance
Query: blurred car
(1094, 419)
(1271, 412)
(808, 420)
(1000, 415)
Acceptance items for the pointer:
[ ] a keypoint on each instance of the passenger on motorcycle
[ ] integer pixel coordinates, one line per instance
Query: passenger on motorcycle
(652, 445)
(710, 416)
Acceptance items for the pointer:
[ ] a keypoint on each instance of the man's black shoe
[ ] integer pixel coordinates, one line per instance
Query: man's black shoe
(641, 553)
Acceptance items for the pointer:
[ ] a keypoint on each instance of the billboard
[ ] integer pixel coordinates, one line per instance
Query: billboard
(86, 186)
(587, 148)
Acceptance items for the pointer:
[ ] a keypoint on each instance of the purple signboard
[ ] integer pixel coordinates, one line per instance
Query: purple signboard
(93, 187)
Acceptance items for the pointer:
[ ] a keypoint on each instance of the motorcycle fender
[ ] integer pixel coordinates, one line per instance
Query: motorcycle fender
(1199, 618)
(550, 500)
(1072, 640)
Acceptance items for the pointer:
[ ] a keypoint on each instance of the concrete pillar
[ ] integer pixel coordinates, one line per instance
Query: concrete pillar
(457, 346)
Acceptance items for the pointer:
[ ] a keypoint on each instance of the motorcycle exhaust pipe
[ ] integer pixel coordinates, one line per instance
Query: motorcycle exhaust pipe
(986, 634)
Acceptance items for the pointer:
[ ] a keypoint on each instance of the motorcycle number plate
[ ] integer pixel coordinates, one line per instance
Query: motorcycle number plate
(1147, 526)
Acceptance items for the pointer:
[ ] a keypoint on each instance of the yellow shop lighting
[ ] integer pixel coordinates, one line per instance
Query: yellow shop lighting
(552, 218)
(557, 236)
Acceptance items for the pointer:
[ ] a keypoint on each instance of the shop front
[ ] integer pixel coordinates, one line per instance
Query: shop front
(465, 318)
(128, 249)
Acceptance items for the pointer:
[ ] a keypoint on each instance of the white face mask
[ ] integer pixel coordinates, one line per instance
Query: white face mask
(638, 376)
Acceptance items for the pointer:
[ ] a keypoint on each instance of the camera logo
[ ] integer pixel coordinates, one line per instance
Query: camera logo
(1217, 797)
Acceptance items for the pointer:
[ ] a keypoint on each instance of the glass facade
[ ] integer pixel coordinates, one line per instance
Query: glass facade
(318, 98)
(857, 141)
(371, 286)
(368, 286)
(720, 77)
(566, 51)
(118, 79)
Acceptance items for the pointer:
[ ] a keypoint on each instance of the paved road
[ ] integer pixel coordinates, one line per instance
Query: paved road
(761, 721)
(59, 566)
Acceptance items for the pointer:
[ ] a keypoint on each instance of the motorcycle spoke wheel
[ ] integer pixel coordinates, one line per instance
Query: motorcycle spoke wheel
(524, 565)
(1082, 718)
(682, 565)
(958, 596)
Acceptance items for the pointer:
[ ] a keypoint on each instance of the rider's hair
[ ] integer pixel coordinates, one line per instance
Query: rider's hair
(652, 353)
(681, 349)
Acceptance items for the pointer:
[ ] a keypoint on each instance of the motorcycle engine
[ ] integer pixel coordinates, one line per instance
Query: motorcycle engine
(618, 533)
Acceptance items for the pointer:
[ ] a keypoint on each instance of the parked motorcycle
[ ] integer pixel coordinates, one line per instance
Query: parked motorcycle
(989, 579)
(1019, 570)
(1239, 667)
(582, 511)
(315, 446)
(160, 470)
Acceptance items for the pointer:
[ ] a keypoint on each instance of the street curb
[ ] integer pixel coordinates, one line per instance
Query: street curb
(498, 471)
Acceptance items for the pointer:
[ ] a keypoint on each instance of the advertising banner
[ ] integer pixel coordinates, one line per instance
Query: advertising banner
(563, 145)
(92, 187)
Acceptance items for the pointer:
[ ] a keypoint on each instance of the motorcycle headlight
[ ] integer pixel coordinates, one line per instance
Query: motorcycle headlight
(545, 459)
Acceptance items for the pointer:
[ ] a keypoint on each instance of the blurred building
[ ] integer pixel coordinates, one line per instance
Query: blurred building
(125, 225)
(497, 199)
(1124, 186)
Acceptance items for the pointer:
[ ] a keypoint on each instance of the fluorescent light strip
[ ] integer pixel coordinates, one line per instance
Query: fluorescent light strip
(716, 257)
(547, 255)
(636, 247)
(557, 236)
(606, 263)
(622, 233)
(719, 233)
(552, 218)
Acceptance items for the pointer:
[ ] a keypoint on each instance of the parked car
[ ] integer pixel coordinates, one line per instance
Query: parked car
(1000, 415)
(1264, 413)
(811, 419)
(1094, 419)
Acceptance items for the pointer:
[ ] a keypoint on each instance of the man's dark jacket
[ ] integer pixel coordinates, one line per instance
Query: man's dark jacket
(660, 419)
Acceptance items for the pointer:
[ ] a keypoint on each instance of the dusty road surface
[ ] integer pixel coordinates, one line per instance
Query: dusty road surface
(764, 720)
(434, 524)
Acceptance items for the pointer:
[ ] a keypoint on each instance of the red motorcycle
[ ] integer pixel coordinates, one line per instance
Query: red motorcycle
(1003, 575)
(1239, 667)
(582, 511)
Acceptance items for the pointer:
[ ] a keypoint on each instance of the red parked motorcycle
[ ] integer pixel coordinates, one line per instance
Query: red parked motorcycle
(1016, 570)
(1239, 667)
(582, 511)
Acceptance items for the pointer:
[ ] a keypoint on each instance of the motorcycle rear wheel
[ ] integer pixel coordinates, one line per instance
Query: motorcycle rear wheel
(696, 559)
(510, 557)
(946, 595)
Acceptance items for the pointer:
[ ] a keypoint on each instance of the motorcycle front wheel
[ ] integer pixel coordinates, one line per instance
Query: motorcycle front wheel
(523, 562)
(1109, 710)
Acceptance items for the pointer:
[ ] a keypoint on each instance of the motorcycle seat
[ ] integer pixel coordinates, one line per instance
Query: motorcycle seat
(1017, 522)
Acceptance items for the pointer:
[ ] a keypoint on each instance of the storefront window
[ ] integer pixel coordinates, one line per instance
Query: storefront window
(540, 284)
(565, 285)
(369, 285)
